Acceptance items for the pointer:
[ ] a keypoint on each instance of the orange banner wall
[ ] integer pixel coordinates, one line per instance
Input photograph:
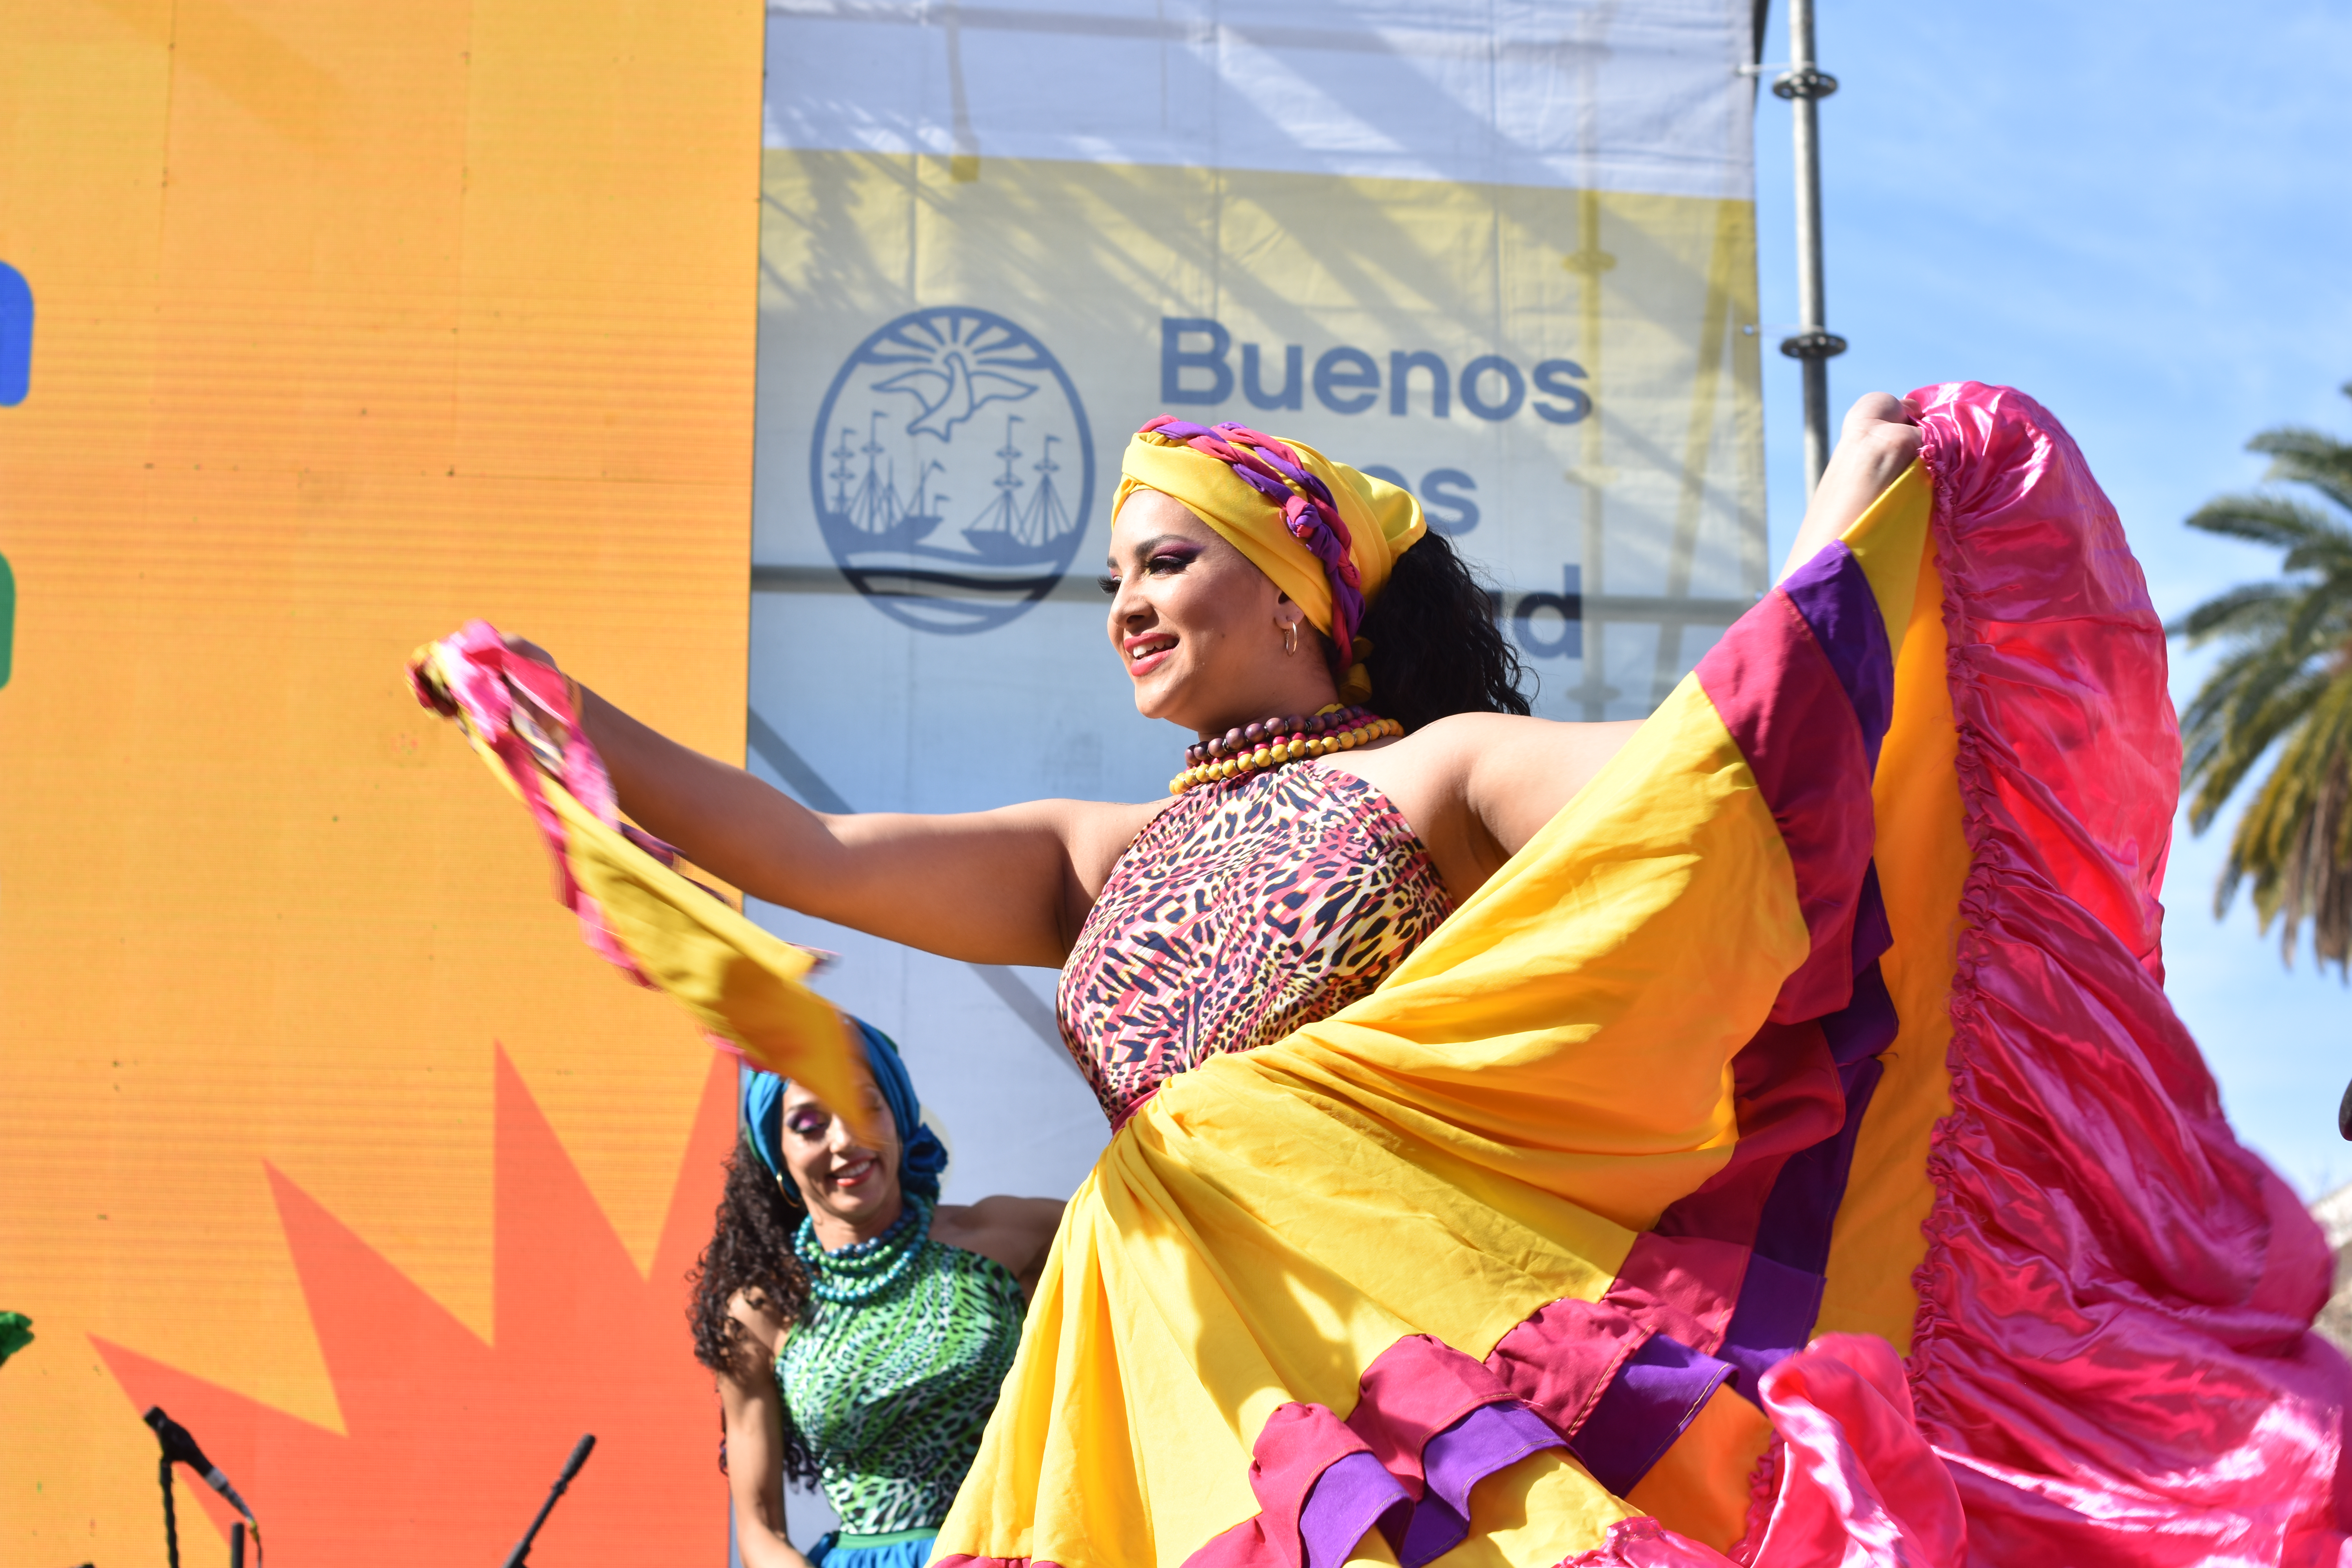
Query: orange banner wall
(318, 1123)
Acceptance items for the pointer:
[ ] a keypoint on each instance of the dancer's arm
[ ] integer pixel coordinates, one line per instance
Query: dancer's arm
(1879, 440)
(1016, 1231)
(754, 1413)
(1519, 773)
(1477, 786)
(1009, 886)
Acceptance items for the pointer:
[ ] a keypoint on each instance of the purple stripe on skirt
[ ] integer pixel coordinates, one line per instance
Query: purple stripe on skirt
(1653, 1397)
(1834, 594)
(1872, 933)
(1866, 1026)
(1489, 1438)
(1349, 1499)
(1778, 1306)
(1795, 1227)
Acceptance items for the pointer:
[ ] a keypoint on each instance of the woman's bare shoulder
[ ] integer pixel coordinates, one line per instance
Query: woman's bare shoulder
(1004, 1209)
(1444, 746)
(1516, 773)
(1515, 739)
(1458, 730)
(952, 1222)
(1017, 1233)
(761, 1319)
(1010, 1230)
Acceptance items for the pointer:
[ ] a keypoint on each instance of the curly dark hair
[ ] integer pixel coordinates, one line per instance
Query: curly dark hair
(1436, 648)
(751, 1251)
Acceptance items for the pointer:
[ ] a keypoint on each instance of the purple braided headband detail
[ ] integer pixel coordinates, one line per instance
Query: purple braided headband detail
(1271, 468)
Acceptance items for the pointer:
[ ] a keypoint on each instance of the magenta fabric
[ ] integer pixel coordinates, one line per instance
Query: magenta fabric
(1788, 1097)
(1859, 1485)
(1415, 1390)
(1802, 1208)
(2113, 1351)
(1558, 1361)
(1779, 693)
(502, 694)
(1867, 1025)
(1646, 1543)
(1298, 1444)
(1681, 1285)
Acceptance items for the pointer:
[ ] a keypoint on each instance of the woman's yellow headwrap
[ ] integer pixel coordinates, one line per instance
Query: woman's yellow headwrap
(1326, 535)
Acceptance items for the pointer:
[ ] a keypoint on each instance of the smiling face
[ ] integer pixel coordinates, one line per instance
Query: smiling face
(849, 1186)
(1200, 629)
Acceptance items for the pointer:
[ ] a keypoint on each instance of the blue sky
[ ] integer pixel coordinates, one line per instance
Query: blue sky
(2137, 213)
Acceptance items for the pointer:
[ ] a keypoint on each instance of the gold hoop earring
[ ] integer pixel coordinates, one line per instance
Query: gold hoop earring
(1290, 636)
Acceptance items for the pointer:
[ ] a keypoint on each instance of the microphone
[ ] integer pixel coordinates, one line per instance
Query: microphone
(521, 1551)
(179, 1449)
(579, 1457)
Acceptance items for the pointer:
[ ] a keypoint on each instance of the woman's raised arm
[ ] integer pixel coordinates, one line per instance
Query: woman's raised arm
(1879, 440)
(1514, 774)
(1009, 885)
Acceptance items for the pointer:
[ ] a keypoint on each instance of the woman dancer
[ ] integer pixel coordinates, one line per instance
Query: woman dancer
(1501, 1236)
(859, 1328)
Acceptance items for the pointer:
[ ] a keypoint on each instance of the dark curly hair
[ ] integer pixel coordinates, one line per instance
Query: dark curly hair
(751, 1251)
(1436, 648)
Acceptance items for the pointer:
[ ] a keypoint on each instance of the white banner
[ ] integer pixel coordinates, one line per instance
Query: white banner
(1504, 254)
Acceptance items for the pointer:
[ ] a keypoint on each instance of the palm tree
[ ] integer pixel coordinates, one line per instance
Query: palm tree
(2287, 681)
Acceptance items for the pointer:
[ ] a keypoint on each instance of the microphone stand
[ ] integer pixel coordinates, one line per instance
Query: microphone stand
(522, 1548)
(179, 1449)
(171, 1520)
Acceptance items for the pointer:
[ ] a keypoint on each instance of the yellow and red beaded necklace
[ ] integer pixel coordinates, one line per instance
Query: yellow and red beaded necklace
(1271, 742)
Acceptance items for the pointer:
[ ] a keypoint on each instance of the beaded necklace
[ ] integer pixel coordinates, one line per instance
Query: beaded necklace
(859, 1273)
(1274, 742)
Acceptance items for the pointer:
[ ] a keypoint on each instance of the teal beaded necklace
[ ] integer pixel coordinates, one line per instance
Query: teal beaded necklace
(859, 1273)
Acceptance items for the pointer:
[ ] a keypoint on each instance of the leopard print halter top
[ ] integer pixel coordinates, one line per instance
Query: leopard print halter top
(1246, 909)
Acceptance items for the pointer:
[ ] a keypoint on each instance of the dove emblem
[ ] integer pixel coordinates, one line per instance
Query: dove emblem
(952, 392)
(949, 513)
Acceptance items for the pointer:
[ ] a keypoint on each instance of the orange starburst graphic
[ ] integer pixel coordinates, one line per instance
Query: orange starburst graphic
(450, 1442)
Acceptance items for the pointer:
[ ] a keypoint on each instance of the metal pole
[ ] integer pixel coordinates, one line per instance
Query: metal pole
(171, 1519)
(1804, 86)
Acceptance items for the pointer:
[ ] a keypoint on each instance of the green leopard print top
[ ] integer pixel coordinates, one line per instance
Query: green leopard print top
(891, 1394)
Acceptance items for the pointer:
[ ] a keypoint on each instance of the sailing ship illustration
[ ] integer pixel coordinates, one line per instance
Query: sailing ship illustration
(907, 420)
(1012, 532)
(867, 512)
